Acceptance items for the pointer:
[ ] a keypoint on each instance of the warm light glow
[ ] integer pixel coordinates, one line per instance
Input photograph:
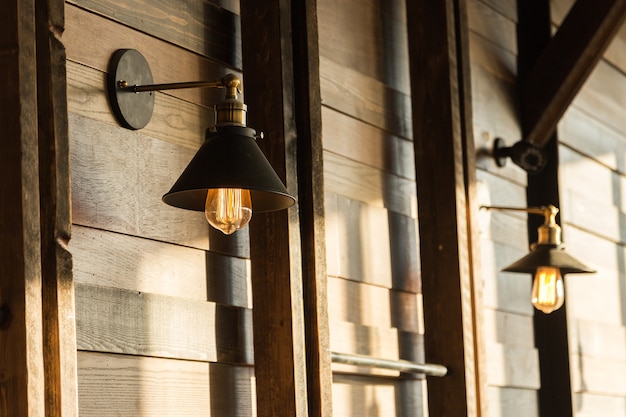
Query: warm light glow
(228, 209)
(547, 294)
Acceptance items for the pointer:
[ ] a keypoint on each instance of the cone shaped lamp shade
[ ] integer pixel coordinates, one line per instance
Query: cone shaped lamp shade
(545, 255)
(230, 158)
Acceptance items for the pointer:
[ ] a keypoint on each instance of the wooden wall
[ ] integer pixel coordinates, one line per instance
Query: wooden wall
(512, 360)
(370, 201)
(163, 306)
(592, 182)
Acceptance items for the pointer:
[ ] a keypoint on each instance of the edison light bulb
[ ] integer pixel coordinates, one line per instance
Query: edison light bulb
(228, 209)
(547, 294)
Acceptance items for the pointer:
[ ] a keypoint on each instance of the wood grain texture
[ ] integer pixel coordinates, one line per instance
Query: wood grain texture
(21, 341)
(492, 25)
(146, 265)
(275, 245)
(512, 402)
(370, 396)
(118, 178)
(370, 100)
(376, 342)
(114, 385)
(584, 133)
(173, 120)
(168, 62)
(311, 206)
(354, 139)
(368, 185)
(444, 160)
(366, 37)
(54, 184)
(512, 366)
(197, 25)
(119, 321)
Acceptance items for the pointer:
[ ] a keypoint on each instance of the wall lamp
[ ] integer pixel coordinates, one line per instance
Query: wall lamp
(547, 260)
(229, 175)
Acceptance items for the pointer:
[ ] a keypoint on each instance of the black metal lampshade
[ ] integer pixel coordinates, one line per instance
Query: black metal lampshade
(229, 158)
(551, 256)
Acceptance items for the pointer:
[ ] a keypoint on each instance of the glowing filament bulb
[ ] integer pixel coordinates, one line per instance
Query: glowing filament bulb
(547, 293)
(228, 209)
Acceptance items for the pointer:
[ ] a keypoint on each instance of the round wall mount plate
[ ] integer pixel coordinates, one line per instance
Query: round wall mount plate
(132, 110)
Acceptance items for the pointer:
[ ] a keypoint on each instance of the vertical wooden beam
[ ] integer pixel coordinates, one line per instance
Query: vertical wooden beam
(308, 113)
(58, 288)
(279, 348)
(555, 397)
(444, 160)
(21, 359)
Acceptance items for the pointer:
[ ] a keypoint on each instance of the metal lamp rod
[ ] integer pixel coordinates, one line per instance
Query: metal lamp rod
(395, 365)
(123, 85)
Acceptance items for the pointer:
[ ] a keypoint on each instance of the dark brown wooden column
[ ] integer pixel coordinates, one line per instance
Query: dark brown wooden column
(444, 160)
(555, 397)
(292, 363)
(54, 184)
(21, 353)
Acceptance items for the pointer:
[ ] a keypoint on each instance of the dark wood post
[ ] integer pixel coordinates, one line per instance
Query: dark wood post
(445, 169)
(292, 362)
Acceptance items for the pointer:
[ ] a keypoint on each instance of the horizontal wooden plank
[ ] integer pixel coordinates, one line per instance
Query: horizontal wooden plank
(492, 25)
(604, 96)
(507, 8)
(374, 306)
(365, 98)
(168, 62)
(362, 183)
(512, 366)
(199, 26)
(145, 265)
(367, 396)
(118, 178)
(585, 134)
(590, 405)
(508, 328)
(597, 340)
(119, 385)
(598, 376)
(173, 120)
(131, 322)
(492, 58)
(362, 142)
(367, 37)
(512, 402)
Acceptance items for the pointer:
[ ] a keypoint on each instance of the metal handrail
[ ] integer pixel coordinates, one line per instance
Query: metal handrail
(401, 365)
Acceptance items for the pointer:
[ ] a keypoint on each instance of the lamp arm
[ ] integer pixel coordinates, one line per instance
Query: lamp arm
(230, 81)
(549, 212)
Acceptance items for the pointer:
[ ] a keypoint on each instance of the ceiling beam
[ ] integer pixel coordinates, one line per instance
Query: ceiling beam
(565, 64)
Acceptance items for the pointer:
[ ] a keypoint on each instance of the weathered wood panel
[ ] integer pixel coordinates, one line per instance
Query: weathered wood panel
(120, 385)
(168, 62)
(354, 139)
(199, 26)
(492, 58)
(491, 24)
(591, 405)
(360, 182)
(120, 321)
(598, 375)
(597, 340)
(512, 366)
(364, 98)
(372, 305)
(21, 343)
(512, 402)
(118, 178)
(378, 50)
(173, 120)
(582, 132)
(377, 397)
(146, 265)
